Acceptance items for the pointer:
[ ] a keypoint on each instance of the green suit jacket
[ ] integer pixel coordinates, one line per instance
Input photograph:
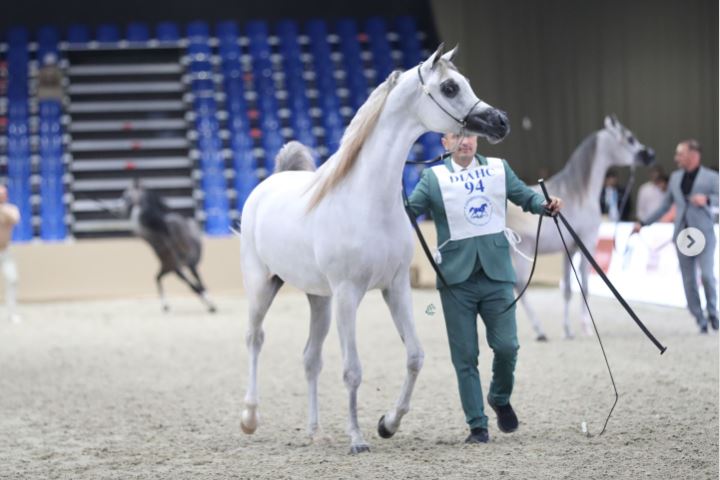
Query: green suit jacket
(491, 251)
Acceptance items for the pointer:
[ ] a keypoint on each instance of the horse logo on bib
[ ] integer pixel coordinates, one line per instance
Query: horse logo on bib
(478, 210)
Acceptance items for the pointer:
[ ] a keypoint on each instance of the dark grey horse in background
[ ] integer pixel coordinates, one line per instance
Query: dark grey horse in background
(176, 240)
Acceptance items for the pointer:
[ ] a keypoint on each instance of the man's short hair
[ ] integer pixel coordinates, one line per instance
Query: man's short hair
(692, 144)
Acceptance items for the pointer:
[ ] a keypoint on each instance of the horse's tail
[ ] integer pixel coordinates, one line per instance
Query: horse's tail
(294, 156)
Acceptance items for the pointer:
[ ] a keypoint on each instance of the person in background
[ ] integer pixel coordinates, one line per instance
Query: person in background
(9, 217)
(611, 197)
(693, 189)
(651, 193)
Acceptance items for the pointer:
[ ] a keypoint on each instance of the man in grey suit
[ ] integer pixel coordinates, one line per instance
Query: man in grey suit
(694, 190)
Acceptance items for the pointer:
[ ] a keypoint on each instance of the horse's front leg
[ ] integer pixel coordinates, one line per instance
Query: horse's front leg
(346, 298)
(399, 302)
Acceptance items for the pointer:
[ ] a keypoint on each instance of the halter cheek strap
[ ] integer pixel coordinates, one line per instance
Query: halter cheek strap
(426, 90)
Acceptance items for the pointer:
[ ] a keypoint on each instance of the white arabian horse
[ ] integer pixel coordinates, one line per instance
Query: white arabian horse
(579, 185)
(340, 231)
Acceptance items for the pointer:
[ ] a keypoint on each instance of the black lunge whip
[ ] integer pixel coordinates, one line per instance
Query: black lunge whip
(607, 281)
(599, 271)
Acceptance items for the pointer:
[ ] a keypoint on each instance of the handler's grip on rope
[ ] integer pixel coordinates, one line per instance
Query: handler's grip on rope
(547, 212)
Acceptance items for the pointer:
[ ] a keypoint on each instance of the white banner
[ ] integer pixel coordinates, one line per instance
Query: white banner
(643, 267)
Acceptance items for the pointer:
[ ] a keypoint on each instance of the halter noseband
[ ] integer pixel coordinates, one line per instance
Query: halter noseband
(463, 122)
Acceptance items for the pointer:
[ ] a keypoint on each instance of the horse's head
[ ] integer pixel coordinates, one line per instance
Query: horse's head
(131, 197)
(449, 104)
(622, 147)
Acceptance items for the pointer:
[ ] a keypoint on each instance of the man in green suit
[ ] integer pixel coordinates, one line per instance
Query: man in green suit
(467, 197)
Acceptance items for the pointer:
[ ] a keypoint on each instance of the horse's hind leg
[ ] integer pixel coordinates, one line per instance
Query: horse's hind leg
(198, 289)
(260, 293)
(203, 290)
(161, 291)
(320, 315)
(399, 302)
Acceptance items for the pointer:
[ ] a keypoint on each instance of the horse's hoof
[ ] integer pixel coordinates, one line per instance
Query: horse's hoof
(355, 449)
(541, 338)
(165, 309)
(248, 430)
(212, 309)
(382, 431)
(249, 422)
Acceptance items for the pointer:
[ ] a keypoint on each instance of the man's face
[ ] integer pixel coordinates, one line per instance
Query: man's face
(685, 157)
(464, 147)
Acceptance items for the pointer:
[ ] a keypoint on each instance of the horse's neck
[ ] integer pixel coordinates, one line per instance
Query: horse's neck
(585, 172)
(377, 175)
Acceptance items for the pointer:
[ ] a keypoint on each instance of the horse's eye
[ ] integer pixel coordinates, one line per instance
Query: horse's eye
(631, 140)
(449, 88)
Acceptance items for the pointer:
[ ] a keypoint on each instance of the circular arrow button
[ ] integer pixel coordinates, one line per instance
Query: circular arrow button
(690, 242)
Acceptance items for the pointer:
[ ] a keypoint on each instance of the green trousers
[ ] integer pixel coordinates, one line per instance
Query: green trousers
(481, 295)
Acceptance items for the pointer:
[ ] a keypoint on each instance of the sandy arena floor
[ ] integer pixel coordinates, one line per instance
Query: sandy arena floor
(119, 390)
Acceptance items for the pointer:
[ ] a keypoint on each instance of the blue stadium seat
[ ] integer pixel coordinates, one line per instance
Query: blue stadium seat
(19, 191)
(78, 34)
(230, 52)
(286, 28)
(199, 48)
(200, 66)
(227, 31)
(409, 44)
(107, 33)
(137, 32)
(48, 39)
(256, 28)
(18, 36)
(217, 219)
(167, 32)
(352, 61)
(380, 47)
(198, 32)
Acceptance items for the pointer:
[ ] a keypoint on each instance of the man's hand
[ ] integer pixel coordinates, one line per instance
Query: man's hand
(554, 206)
(699, 200)
(636, 227)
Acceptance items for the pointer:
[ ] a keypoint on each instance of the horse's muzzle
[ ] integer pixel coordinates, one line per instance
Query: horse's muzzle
(490, 123)
(645, 156)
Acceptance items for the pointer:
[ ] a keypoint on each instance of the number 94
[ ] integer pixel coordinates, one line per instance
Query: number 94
(474, 186)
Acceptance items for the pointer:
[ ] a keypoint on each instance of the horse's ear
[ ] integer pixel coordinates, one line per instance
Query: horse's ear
(449, 56)
(435, 57)
(610, 121)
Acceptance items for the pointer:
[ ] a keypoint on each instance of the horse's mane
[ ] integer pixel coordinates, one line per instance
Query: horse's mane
(152, 211)
(354, 137)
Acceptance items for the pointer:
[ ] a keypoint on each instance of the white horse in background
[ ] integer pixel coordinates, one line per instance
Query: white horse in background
(342, 230)
(579, 184)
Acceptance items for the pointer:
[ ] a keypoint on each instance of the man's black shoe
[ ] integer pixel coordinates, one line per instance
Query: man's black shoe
(713, 322)
(703, 330)
(507, 420)
(478, 435)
